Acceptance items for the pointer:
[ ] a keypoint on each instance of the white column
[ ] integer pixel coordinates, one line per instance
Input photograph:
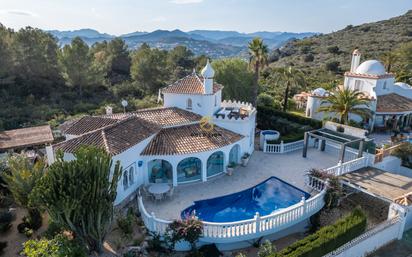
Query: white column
(174, 167)
(225, 158)
(204, 169)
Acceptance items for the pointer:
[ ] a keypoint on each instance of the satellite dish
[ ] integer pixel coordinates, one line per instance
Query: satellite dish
(124, 103)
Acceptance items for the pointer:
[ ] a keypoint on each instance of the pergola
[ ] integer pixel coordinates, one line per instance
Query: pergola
(339, 138)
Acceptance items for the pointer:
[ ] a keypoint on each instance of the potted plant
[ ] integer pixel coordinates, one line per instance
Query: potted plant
(230, 168)
(245, 159)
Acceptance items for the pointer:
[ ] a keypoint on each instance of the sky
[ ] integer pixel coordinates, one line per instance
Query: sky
(117, 17)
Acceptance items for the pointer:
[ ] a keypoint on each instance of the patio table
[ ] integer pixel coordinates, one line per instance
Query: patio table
(158, 189)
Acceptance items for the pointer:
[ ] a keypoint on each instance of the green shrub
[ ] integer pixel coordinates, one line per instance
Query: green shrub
(290, 126)
(327, 238)
(59, 246)
(404, 152)
(188, 230)
(53, 229)
(267, 100)
(125, 224)
(266, 249)
(333, 66)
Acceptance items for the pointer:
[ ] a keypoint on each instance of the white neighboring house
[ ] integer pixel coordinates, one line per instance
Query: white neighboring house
(192, 138)
(391, 102)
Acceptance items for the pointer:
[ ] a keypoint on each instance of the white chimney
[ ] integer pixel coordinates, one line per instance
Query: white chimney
(208, 73)
(109, 110)
(356, 55)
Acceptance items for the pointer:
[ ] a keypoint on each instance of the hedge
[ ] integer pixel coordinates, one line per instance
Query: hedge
(328, 238)
(290, 126)
(266, 114)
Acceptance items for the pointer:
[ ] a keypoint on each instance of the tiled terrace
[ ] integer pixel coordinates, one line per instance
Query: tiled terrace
(290, 167)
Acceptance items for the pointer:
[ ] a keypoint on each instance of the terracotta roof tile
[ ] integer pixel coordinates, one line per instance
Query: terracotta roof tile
(393, 103)
(87, 124)
(189, 139)
(168, 116)
(114, 138)
(25, 137)
(191, 84)
(163, 116)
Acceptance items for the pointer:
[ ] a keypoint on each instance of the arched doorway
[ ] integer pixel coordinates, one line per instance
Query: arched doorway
(234, 154)
(160, 171)
(215, 164)
(189, 169)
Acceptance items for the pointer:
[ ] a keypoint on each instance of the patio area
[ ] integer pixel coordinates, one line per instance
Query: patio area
(289, 167)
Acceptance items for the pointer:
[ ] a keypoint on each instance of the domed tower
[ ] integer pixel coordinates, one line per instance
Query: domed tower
(208, 73)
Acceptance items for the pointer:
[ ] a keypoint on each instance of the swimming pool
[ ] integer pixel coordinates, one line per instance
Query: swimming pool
(267, 197)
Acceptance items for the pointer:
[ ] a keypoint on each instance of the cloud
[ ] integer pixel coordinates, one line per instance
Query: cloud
(19, 12)
(186, 1)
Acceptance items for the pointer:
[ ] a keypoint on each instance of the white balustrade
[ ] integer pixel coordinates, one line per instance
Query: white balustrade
(346, 167)
(315, 183)
(220, 232)
(282, 147)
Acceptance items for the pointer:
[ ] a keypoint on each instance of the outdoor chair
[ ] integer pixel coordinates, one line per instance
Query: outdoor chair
(143, 192)
(158, 197)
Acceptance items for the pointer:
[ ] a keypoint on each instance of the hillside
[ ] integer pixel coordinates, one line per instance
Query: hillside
(213, 43)
(373, 39)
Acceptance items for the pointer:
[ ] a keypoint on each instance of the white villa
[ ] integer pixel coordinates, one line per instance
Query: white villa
(390, 102)
(192, 138)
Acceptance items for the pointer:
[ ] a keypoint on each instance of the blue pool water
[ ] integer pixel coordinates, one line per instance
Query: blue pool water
(269, 196)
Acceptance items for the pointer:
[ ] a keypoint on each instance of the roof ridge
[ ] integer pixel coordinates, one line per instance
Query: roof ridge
(204, 92)
(189, 75)
(106, 145)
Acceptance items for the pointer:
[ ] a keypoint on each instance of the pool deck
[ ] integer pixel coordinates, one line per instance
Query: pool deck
(289, 167)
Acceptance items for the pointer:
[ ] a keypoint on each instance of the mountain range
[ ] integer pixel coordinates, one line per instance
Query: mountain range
(214, 43)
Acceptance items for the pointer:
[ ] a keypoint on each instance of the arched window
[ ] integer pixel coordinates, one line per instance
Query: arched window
(215, 164)
(131, 176)
(234, 154)
(215, 100)
(384, 85)
(125, 180)
(160, 171)
(189, 169)
(189, 104)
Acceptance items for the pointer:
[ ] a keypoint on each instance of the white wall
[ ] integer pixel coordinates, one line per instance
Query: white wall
(205, 105)
(131, 157)
(244, 127)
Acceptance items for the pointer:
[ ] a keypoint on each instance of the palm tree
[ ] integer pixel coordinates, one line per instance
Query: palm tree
(389, 58)
(258, 57)
(291, 78)
(344, 101)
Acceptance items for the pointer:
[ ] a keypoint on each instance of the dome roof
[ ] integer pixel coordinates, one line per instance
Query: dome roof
(371, 67)
(403, 85)
(208, 71)
(319, 92)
